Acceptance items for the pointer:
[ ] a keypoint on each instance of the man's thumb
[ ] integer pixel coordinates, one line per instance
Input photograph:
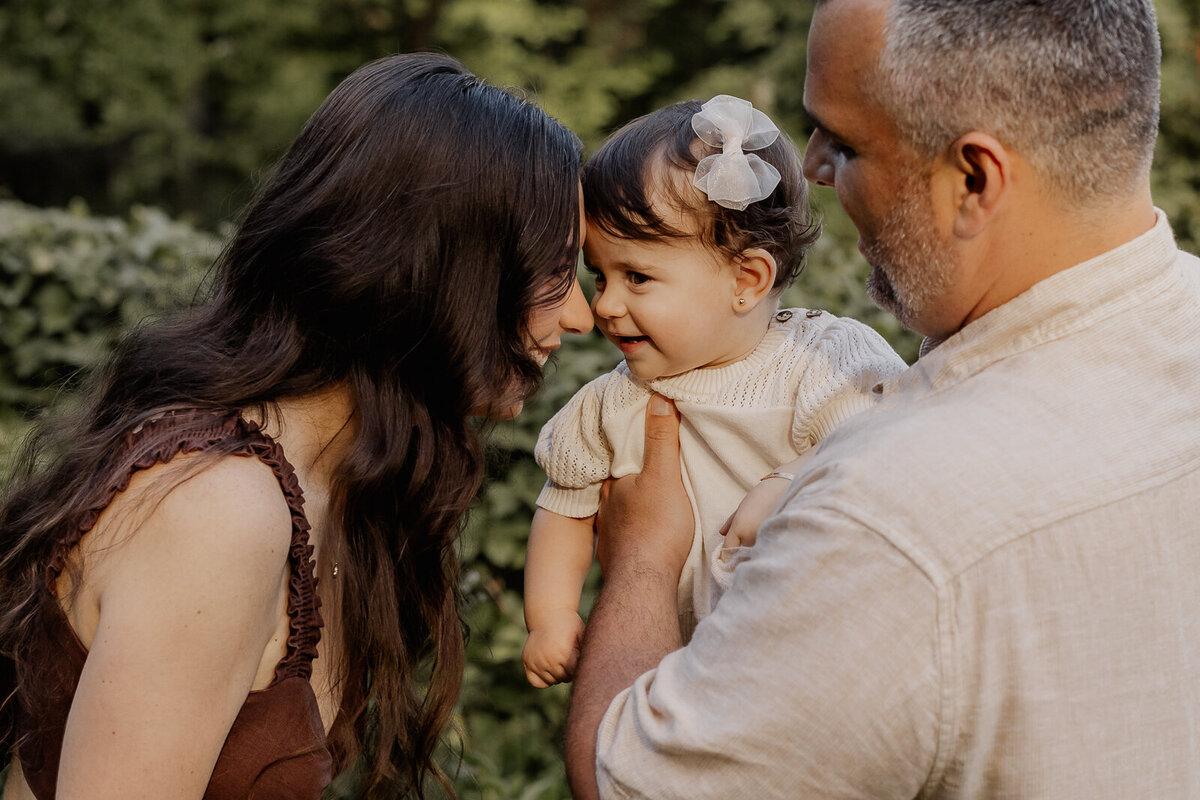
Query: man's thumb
(662, 435)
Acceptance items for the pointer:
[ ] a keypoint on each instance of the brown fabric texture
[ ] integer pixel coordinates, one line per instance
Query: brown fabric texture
(277, 746)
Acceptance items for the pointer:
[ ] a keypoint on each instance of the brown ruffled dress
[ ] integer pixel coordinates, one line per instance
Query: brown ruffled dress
(277, 746)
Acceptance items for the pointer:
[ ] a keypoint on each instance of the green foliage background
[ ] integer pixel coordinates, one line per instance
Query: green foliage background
(143, 125)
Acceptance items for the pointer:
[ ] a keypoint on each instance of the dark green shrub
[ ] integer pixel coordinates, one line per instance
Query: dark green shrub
(70, 284)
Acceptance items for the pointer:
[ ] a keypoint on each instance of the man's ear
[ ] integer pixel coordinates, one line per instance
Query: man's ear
(978, 170)
(754, 278)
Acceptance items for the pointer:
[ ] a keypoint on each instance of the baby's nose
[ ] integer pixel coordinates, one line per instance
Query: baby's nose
(607, 305)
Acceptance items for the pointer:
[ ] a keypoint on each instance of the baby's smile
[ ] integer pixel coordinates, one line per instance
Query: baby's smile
(628, 344)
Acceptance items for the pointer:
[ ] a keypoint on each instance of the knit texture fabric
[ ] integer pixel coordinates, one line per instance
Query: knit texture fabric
(810, 372)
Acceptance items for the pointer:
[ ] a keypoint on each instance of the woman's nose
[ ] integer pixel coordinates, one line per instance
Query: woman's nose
(575, 317)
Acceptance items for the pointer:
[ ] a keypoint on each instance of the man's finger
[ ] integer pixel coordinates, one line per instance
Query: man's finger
(662, 437)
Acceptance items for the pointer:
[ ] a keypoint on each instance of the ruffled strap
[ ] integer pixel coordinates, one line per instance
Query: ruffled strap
(200, 430)
(304, 605)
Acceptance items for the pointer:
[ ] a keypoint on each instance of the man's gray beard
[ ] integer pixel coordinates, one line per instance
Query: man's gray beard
(911, 267)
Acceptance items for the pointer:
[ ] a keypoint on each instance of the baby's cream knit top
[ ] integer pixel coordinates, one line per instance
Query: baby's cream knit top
(810, 372)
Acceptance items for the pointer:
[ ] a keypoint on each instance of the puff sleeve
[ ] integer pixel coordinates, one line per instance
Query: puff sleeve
(575, 454)
(846, 359)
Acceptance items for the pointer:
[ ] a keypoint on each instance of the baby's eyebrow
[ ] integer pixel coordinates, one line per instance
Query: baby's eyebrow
(629, 266)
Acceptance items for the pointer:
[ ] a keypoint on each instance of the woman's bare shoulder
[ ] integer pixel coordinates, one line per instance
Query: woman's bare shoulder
(225, 517)
(189, 602)
(223, 498)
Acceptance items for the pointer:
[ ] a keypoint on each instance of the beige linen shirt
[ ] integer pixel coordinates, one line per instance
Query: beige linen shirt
(988, 586)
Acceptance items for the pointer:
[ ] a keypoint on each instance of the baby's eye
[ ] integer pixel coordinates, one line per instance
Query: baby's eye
(596, 274)
(636, 278)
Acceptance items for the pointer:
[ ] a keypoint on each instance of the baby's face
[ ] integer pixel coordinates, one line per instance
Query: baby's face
(669, 306)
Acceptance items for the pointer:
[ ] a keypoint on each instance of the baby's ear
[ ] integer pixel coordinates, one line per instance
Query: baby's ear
(754, 278)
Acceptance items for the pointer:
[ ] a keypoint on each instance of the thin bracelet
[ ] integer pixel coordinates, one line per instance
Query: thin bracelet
(787, 476)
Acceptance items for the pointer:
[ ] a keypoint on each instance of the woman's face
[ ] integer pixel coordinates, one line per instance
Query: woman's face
(549, 322)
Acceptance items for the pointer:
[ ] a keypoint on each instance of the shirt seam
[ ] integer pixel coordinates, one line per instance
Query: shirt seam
(944, 630)
(942, 581)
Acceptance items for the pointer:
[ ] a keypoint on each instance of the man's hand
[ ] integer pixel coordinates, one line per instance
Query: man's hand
(645, 520)
(645, 525)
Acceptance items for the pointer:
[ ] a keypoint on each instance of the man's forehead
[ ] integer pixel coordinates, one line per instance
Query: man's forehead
(843, 48)
(847, 36)
(861, 8)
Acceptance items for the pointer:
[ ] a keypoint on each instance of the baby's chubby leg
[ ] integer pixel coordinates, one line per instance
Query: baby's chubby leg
(557, 561)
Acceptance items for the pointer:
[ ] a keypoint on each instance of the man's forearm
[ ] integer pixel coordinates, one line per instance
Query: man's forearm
(633, 625)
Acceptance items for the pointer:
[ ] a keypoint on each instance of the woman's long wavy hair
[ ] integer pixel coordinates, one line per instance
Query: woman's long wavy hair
(398, 250)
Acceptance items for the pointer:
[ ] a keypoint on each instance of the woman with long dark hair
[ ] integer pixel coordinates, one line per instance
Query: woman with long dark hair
(232, 572)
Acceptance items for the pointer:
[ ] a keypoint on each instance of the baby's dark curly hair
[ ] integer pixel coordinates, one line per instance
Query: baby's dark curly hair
(629, 179)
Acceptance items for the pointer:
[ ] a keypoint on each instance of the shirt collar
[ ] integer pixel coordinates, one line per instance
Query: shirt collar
(1054, 307)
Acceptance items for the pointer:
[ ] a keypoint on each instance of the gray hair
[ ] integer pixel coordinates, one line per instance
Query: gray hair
(1071, 85)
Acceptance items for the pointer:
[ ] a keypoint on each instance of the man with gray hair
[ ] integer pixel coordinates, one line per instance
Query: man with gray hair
(986, 586)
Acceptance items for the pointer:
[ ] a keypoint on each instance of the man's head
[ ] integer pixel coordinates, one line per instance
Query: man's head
(1072, 85)
(932, 115)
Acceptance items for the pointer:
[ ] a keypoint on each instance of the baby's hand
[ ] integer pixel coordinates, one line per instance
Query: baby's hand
(741, 529)
(552, 649)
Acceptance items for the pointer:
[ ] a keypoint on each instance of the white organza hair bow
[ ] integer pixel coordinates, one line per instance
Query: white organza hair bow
(731, 178)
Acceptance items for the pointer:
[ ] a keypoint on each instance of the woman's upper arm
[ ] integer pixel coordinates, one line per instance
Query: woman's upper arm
(187, 605)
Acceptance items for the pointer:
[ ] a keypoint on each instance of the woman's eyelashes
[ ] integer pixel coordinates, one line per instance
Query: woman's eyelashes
(597, 275)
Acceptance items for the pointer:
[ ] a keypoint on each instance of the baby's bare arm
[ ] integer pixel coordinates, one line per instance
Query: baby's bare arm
(557, 561)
